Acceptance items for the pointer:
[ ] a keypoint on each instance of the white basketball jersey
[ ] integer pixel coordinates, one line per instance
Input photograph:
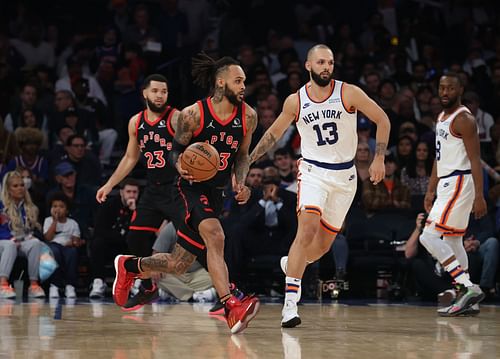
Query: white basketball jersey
(450, 148)
(327, 129)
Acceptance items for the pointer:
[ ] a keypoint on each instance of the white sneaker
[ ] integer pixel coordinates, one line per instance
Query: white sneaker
(284, 265)
(53, 291)
(98, 289)
(70, 292)
(289, 315)
(203, 296)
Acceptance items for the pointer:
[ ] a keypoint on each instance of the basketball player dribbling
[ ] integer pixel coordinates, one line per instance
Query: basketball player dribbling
(225, 121)
(457, 181)
(325, 114)
(150, 140)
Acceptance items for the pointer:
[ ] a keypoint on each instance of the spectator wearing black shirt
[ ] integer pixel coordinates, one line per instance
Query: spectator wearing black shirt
(111, 228)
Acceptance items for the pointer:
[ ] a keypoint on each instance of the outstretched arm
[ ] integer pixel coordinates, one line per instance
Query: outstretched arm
(465, 125)
(274, 133)
(358, 99)
(126, 164)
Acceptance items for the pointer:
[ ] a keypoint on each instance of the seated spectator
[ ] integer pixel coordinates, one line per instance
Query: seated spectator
(388, 194)
(364, 133)
(99, 115)
(8, 147)
(37, 190)
(63, 235)
(362, 161)
(418, 170)
(283, 162)
(30, 119)
(482, 248)
(82, 196)
(87, 166)
(402, 151)
(18, 222)
(57, 152)
(27, 100)
(254, 177)
(430, 279)
(194, 284)
(30, 141)
(110, 232)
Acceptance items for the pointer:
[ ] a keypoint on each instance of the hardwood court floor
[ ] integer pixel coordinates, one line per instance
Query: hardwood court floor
(102, 330)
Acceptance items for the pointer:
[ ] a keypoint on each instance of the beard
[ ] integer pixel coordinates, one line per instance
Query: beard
(231, 96)
(321, 81)
(452, 102)
(155, 108)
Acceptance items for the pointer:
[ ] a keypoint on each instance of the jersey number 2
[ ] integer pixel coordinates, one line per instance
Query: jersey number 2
(333, 135)
(157, 157)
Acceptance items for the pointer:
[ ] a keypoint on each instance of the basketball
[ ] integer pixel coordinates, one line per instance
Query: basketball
(201, 160)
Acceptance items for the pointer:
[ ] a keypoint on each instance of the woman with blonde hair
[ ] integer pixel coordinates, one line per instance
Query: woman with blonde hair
(18, 220)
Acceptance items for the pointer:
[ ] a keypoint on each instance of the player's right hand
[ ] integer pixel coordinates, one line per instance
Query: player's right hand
(102, 193)
(428, 200)
(182, 172)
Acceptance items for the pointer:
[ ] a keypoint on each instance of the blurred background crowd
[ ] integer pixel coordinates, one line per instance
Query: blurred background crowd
(70, 79)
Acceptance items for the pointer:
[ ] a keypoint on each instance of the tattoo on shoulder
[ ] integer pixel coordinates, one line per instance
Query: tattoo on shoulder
(251, 118)
(187, 123)
(380, 148)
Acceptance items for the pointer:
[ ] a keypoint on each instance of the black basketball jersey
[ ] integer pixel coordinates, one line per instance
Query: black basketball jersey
(155, 143)
(225, 135)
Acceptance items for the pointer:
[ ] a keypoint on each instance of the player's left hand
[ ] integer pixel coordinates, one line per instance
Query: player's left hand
(377, 170)
(242, 194)
(479, 209)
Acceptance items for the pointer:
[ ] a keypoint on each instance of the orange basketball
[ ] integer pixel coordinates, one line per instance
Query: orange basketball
(201, 160)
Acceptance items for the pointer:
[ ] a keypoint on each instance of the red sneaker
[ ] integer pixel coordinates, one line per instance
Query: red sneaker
(123, 280)
(240, 313)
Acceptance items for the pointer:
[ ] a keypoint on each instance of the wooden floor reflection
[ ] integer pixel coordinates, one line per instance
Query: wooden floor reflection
(101, 330)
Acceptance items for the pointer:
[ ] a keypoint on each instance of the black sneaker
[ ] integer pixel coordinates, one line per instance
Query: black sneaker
(143, 297)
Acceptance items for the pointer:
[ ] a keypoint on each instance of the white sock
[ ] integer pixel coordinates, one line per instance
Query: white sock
(458, 274)
(292, 286)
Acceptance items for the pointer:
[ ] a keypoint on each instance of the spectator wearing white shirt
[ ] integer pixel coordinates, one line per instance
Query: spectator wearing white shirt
(63, 235)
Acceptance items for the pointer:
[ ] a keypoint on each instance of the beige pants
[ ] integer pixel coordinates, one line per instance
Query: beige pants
(183, 286)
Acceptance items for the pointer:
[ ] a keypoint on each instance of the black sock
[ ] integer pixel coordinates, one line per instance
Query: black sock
(132, 265)
(225, 298)
(147, 284)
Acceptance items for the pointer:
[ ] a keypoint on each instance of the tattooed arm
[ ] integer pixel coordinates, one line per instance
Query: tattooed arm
(274, 133)
(187, 123)
(355, 98)
(176, 262)
(242, 160)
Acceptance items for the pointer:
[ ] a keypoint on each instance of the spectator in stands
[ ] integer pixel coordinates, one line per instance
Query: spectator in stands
(30, 141)
(31, 119)
(110, 231)
(80, 194)
(18, 223)
(57, 152)
(482, 249)
(63, 235)
(362, 161)
(389, 194)
(31, 45)
(364, 133)
(27, 100)
(254, 177)
(36, 189)
(418, 169)
(194, 284)
(403, 150)
(484, 122)
(84, 162)
(283, 162)
(8, 147)
(141, 31)
(99, 116)
(430, 279)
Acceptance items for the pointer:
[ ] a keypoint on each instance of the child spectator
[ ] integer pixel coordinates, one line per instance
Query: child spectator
(63, 235)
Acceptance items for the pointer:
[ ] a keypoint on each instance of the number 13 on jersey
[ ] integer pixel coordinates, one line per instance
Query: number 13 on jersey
(330, 129)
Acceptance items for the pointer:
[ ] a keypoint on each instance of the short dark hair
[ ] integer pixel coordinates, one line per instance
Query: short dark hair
(153, 77)
(282, 152)
(59, 196)
(70, 139)
(129, 181)
(454, 75)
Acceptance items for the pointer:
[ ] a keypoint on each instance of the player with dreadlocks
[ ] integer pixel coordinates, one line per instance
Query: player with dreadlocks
(226, 122)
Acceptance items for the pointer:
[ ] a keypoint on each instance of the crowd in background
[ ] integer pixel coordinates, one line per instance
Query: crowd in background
(68, 89)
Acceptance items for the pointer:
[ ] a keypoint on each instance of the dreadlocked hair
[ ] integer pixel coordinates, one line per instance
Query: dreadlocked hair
(205, 69)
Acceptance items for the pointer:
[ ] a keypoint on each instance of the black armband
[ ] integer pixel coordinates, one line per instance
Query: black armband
(177, 149)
